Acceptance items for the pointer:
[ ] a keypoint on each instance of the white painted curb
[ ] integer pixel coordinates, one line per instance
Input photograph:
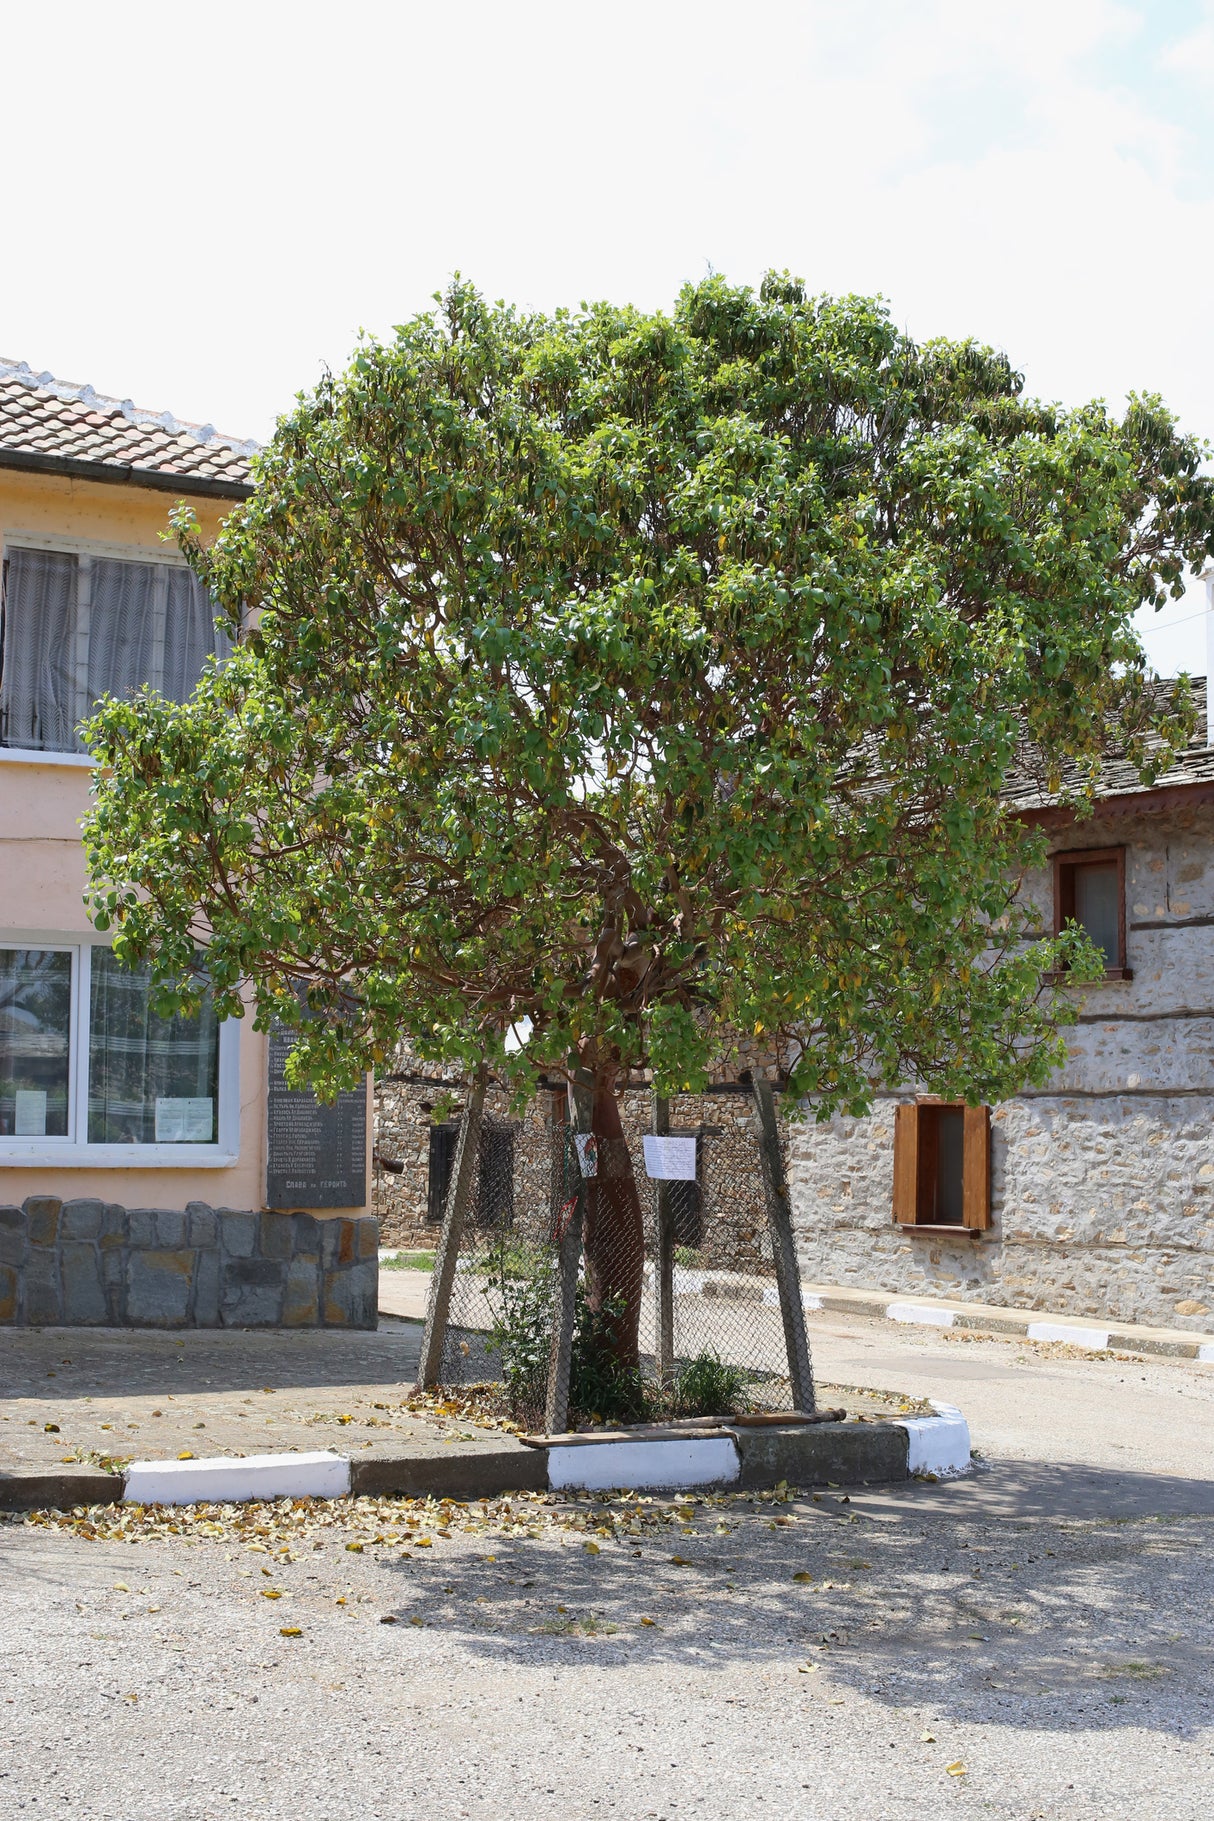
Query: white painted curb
(1206, 1353)
(920, 1312)
(258, 1476)
(811, 1300)
(1095, 1339)
(661, 1463)
(939, 1444)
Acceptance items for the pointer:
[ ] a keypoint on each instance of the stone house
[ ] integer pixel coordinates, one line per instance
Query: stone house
(1095, 1194)
(121, 1133)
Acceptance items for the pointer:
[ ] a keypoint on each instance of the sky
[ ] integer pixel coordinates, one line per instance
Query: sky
(217, 199)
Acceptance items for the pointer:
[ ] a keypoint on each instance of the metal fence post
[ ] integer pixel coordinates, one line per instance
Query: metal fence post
(788, 1276)
(455, 1213)
(569, 1259)
(664, 1263)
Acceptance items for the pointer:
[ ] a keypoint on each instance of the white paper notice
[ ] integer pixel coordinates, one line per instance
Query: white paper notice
(29, 1114)
(587, 1153)
(185, 1121)
(670, 1159)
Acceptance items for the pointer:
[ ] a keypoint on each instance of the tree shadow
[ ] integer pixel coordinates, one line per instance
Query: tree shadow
(997, 1594)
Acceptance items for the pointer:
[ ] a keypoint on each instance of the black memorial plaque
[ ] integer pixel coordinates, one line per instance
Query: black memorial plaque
(316, 1155)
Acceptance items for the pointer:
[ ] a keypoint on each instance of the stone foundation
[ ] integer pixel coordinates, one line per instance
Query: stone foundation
(95, 1264)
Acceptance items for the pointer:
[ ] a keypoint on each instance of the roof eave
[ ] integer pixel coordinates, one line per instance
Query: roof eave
(117, 474)
(1128, 803)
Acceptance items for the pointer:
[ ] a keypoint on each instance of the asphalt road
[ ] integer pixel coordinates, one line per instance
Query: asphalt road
(1036, 1641)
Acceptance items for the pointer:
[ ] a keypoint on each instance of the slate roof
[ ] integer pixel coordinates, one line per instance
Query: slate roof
(57, 426)
(1195, 765)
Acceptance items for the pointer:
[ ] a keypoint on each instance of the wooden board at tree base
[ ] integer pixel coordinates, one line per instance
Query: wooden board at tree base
(316, 1156)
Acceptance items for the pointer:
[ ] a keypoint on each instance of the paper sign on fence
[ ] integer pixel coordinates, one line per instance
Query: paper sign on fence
(670, 1159)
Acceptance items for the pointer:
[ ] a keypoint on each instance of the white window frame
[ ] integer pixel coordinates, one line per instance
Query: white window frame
(75, 546)
(75, 1151)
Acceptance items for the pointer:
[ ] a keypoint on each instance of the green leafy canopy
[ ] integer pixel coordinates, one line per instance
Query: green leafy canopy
(652, 679)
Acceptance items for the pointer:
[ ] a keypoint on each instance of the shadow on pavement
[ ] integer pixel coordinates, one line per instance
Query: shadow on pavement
(1071, 1593)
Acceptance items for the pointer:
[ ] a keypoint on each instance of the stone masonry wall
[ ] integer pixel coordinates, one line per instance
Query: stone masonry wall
(95, 1264)
(1098, 1207)
(1102, 1185)
(734, 1212)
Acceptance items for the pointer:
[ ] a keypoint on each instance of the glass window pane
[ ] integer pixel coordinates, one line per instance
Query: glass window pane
(35, 1027)
(151, 1080)
(79, 627)
(1097, 907)
(950, 1139)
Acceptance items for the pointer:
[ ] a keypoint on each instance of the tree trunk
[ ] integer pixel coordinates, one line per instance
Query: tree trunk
(614, 1233)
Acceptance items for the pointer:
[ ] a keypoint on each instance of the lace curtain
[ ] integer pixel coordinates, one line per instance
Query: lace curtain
(79, 627)
(151, 1079)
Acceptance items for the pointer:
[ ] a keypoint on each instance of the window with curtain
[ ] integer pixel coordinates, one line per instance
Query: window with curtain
(35, 1039)
(74, 627)
(152, 1080)
(1089, 889)
(143, 1079)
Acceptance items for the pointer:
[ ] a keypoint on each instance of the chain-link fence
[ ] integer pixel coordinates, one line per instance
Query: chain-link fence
(660, 1247)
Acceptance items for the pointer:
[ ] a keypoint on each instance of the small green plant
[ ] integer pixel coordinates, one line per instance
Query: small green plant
(708, 1386)
(514, 1258)
(603, 1387)
(522, 1286)
(687, 1258)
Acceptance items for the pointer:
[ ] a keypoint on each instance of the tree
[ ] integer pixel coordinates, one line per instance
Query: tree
(648, 683)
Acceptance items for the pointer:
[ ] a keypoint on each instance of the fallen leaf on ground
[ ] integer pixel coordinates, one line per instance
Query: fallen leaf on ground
(290, 1631)
(645, 1621)
(271, 1593)
(680, 1561)
(185, 1455)
(802, 1576)
(955, 1769)
(927, 1738)
(591, 1548)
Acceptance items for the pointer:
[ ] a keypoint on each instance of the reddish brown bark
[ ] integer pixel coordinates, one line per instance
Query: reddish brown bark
(614, 1231)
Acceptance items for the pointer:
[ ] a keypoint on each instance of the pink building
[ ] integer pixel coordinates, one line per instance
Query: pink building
(121, 1134)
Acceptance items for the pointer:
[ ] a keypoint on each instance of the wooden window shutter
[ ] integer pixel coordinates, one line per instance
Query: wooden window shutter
(906, 1164)
(976, 1168)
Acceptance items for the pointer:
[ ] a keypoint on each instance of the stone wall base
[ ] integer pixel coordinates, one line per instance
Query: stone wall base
(95, 1264)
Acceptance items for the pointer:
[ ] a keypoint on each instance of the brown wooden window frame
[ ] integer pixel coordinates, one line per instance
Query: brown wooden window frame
(914, 1180)
(1065, 866)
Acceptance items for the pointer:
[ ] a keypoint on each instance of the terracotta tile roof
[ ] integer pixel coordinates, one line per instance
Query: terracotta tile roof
(1119, 779)
(55, 425)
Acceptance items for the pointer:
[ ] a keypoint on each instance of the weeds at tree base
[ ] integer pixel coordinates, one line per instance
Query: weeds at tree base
(602, 1388)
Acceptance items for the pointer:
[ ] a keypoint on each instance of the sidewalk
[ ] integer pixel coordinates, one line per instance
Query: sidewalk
(403, 1293)
(1032, 1324)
